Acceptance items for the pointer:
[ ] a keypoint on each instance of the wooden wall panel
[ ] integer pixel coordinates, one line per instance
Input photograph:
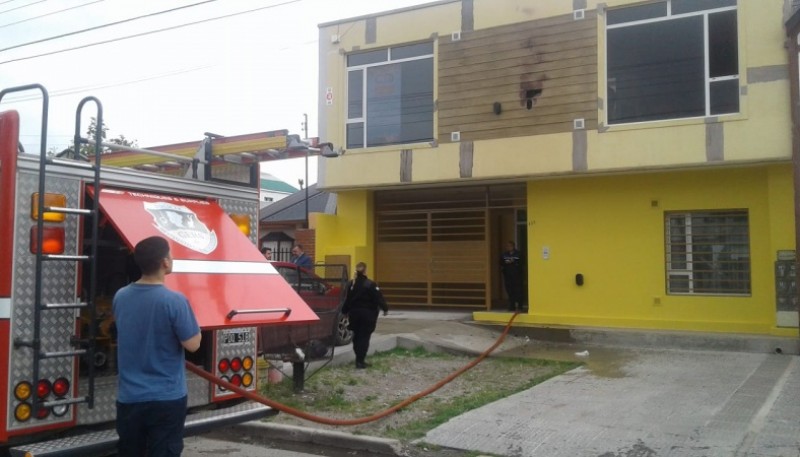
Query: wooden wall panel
(557, 56)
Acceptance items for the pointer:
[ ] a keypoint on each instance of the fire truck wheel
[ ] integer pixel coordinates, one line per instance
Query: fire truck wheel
(343, 334)
(100, 359)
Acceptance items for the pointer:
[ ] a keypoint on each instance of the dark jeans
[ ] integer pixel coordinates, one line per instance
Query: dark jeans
(362, 323)
(513, 285)
(152, 429)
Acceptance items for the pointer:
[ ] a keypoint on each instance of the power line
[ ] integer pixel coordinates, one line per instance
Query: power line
(98, 27)
(76, 90)
(148, 32)
(7, 1)
(49, 14)
(23, 6)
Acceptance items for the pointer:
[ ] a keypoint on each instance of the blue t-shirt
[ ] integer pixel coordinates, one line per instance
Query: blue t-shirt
(151, 323)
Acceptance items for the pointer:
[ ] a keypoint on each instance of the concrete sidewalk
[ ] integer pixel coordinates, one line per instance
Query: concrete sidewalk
(623, 402)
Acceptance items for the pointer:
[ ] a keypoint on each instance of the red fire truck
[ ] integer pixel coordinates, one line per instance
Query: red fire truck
(67, 228)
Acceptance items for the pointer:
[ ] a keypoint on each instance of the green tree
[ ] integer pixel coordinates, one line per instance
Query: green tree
(88, 149)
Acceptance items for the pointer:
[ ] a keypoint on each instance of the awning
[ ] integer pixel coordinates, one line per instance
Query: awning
(226, 279)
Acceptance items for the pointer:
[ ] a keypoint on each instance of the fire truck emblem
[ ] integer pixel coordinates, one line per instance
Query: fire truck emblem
(181, 225)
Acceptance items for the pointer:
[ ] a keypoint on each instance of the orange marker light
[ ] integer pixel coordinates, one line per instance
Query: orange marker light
(247, 363)
(243, 222)
(22, 412)
(53, 240)
(23, 391)
(50, 200)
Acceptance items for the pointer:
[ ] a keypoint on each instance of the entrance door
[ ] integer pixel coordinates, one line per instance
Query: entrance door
(433, 245)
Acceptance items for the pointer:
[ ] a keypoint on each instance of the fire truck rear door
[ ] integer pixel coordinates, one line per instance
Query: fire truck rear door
(226, 279)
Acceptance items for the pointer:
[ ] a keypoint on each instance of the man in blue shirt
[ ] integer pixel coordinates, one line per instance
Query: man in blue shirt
(300, 258)
(154, 326)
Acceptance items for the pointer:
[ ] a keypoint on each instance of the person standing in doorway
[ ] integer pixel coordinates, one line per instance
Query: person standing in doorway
(300, 258)
(511, 266)
(154, 326)
(364, 299)
(267, 253)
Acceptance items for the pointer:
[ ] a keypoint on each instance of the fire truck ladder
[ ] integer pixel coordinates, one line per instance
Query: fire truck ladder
(84, 347)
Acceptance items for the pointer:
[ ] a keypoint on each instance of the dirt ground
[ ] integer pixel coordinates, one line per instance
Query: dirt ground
(345, 392)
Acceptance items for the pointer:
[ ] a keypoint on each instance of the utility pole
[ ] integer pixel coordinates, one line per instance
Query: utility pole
(305, 132)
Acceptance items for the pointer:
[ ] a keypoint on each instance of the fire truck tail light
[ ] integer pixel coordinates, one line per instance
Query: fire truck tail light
(226, 379)
(243, 222)
(247, 380)
(247, 363)
(43, 388)
(23, 391)
(43, 413)
(22, 412)
(61, 387)
(236, 364)
(224, 365)
(236, 380)
(60, 410)
(51, 200)
(53, 240)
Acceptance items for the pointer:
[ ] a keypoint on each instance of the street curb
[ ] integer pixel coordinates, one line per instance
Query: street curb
(264, 431)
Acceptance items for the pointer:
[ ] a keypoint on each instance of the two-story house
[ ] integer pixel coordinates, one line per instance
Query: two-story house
(638, 152)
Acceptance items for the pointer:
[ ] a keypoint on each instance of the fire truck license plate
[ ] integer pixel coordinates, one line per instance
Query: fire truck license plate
(236, 336)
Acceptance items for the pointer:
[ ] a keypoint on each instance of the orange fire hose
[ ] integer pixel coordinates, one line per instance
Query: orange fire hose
(362, 420)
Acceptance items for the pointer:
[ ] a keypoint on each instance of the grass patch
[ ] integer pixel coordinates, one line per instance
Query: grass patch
(395, 375)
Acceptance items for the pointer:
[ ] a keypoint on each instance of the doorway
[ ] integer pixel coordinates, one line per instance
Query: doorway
(436, 247)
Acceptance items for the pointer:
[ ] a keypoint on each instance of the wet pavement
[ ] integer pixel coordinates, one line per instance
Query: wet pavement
(622, 402)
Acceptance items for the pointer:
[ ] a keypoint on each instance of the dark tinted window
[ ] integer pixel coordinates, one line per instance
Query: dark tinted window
(725, 96)
(355, 94)
(400, 103)
(690, 6)
(355, 135)
(412, 50)
(723, 55)
(367, 57)
(636, 13)
(656, 71)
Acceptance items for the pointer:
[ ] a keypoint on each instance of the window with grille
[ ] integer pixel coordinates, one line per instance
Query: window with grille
(708, 252)
(672, 59)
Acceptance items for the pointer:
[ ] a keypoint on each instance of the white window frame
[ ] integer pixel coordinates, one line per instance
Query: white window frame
(364, 101)
(708, 79)
(688, 272)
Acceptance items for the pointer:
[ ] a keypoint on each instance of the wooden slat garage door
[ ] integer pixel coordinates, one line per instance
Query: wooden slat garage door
(433, 258)
(433, 253)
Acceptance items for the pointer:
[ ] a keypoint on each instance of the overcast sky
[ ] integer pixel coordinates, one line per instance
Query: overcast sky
(247, 73)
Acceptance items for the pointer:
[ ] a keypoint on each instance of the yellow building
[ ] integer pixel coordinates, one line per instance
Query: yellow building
(638, 153)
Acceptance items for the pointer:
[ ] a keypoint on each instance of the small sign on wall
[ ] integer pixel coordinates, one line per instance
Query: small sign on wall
(329, 96)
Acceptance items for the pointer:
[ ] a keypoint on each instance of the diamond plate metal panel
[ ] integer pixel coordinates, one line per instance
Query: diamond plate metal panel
(58, 286)
(105, 398)
(249, 207)
(227, 347)
(198, 390)
(105, 401)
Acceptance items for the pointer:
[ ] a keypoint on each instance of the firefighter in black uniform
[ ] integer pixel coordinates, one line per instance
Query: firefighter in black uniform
(511, 265)
(364, 298)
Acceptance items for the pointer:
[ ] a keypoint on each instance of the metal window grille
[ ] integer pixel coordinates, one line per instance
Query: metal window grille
(708, 252)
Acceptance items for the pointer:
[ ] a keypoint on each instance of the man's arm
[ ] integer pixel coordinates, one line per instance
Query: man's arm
(379, 299)
(193, 343)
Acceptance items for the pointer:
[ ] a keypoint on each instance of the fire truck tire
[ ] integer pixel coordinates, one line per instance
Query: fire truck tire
(100, 359)
(343, 334)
